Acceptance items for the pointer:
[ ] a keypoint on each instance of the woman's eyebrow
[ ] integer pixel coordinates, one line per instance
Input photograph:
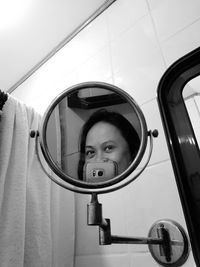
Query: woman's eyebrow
(89, 146)
(109, 141)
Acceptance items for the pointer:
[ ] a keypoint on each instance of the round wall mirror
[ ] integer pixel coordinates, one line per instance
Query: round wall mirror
(93, 135)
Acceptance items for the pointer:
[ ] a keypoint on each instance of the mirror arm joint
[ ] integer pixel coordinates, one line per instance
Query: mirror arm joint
(95, 217)
(160, 235)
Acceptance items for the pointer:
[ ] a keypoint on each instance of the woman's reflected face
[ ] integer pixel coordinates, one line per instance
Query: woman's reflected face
(104, 141)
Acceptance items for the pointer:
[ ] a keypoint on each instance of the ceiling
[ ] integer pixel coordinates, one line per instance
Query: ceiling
(32, 30)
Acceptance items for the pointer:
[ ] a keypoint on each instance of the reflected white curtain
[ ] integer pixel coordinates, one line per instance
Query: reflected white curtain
(36, 216)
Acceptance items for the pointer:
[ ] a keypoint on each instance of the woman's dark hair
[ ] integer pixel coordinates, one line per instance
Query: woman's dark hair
(120, 122)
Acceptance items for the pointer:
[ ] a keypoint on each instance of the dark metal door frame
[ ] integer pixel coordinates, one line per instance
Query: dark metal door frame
(181, 140)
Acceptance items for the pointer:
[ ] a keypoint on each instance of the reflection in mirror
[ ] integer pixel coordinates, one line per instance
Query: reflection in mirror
(97, 133)
(191, 95)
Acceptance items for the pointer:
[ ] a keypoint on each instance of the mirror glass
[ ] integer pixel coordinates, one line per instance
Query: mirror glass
(93, 134)
(191, 95)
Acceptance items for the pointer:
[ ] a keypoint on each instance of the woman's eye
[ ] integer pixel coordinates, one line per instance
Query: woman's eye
(89, 153)
(109, 148)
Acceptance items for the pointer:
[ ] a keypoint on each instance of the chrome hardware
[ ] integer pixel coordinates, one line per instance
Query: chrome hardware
(167, 240)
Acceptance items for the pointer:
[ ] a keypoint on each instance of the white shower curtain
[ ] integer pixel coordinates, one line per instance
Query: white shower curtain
(35, 231)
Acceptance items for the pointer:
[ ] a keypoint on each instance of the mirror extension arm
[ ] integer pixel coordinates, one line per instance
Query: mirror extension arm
(165, 250)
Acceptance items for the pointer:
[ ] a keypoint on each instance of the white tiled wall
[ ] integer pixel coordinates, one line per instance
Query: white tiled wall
(130, 45)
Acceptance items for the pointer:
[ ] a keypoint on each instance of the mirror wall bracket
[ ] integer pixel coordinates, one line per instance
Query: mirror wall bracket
(167, 240)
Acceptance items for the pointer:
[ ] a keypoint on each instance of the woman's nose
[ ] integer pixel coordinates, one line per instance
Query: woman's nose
(100, 156)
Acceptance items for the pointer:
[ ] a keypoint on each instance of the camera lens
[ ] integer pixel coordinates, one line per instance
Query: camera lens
(100, 173)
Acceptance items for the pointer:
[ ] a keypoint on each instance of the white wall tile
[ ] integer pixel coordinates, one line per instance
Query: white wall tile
(172, 16)
(153, 196)
(83, 46)
(96, 68)
(38, 86)
(133, 260)
(181, 43)
(137, 61)
(152, 115)
(145, 259)
(123, 15)
(106, 261)
(92, 38)
(87, 237)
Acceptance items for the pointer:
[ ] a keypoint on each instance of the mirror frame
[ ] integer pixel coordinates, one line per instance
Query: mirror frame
(181, 140)
(83, 186)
